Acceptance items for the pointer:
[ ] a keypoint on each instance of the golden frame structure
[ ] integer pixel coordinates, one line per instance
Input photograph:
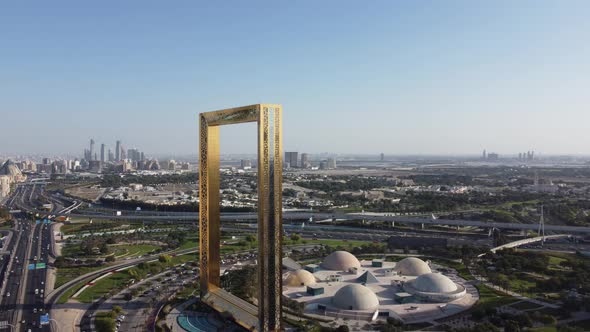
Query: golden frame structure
(267, 317)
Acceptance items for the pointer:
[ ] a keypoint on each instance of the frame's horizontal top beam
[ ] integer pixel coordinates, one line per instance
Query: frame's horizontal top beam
(235, 115)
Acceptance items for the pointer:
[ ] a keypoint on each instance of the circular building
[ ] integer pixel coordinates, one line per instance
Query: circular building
(300, 278)
(412, 266)
(435, 287)
(355, 297)
(340, 261)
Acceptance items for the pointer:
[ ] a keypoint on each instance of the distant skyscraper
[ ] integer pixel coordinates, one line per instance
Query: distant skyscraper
(118, 151)
(91, 149)
(323, 164)
(382, 157)
(102, 155)
(485, 155)
(331, 163)
(291, 159)
(305, 161)
(493, 156)
(245, 164)
(111, 156)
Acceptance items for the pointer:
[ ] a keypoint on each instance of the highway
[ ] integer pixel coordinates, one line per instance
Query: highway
(22, 301)
(252, 216)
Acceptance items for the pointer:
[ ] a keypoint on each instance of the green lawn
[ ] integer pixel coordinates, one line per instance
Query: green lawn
(489, 297)
(71, 291)
(543, 329)
(119, 280)
(132, 250)
(104, 286)
(65, 274)
(191, 242)
(522, 285)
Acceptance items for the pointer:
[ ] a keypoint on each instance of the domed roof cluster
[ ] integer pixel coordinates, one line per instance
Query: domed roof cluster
(434, 283)
(412, 266)
(355, 297)
(341, 261)
(300, 278)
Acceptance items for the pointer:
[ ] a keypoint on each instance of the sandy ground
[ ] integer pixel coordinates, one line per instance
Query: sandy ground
(67, 316)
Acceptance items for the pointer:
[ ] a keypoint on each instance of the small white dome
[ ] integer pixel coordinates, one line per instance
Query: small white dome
(412, 266)
(434, 283)
(340, 261)
(300, 278)
(355, 297)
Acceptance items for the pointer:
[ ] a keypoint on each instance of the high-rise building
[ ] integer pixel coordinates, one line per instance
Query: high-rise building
(332, 163)
(291, 159)
(382, 156)
(485, 155)
(245, 164)
(91, 151)
(323, 164)
(172, 165)
(118, 151)
(305, 161)
(102, 155)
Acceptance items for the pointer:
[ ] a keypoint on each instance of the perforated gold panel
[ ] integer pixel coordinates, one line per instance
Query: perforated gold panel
(270, 179)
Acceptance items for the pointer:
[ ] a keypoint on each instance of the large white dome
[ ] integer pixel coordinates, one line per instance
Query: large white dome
(412, 266)
(434, 283)
(300, 278)
(355, 297)
(340, 261)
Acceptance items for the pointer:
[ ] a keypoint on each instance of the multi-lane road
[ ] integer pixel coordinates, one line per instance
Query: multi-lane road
(27, 253)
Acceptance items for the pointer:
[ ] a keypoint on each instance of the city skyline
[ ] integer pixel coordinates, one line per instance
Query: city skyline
(509, 77)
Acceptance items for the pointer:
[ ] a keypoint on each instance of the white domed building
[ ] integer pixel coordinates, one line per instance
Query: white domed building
(340, 261)
(412, 266)
(342, 286)
(299, 278)
(435, 287)
(355, 297)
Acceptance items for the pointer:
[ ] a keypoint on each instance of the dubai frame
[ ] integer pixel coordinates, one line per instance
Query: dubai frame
(267, 317)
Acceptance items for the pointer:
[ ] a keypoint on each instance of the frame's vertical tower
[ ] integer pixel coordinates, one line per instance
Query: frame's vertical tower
(270, 228)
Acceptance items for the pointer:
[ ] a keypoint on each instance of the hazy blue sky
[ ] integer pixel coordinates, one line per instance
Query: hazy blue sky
(353, 76)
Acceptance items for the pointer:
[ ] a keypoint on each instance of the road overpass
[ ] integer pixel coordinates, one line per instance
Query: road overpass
(522, 242)
(251, 216)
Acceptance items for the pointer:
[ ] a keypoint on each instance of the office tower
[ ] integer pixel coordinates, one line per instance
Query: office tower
(91, 151)
(305, 161)
(323, 164)
(332, 163)
(46, 161)
(245, 164)
(118, 151)
(102, 148)
(141, 157)
(291, 159)
(493, 156)
(485, 155)
(172, 165)
(520, 156)
(111, 156)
